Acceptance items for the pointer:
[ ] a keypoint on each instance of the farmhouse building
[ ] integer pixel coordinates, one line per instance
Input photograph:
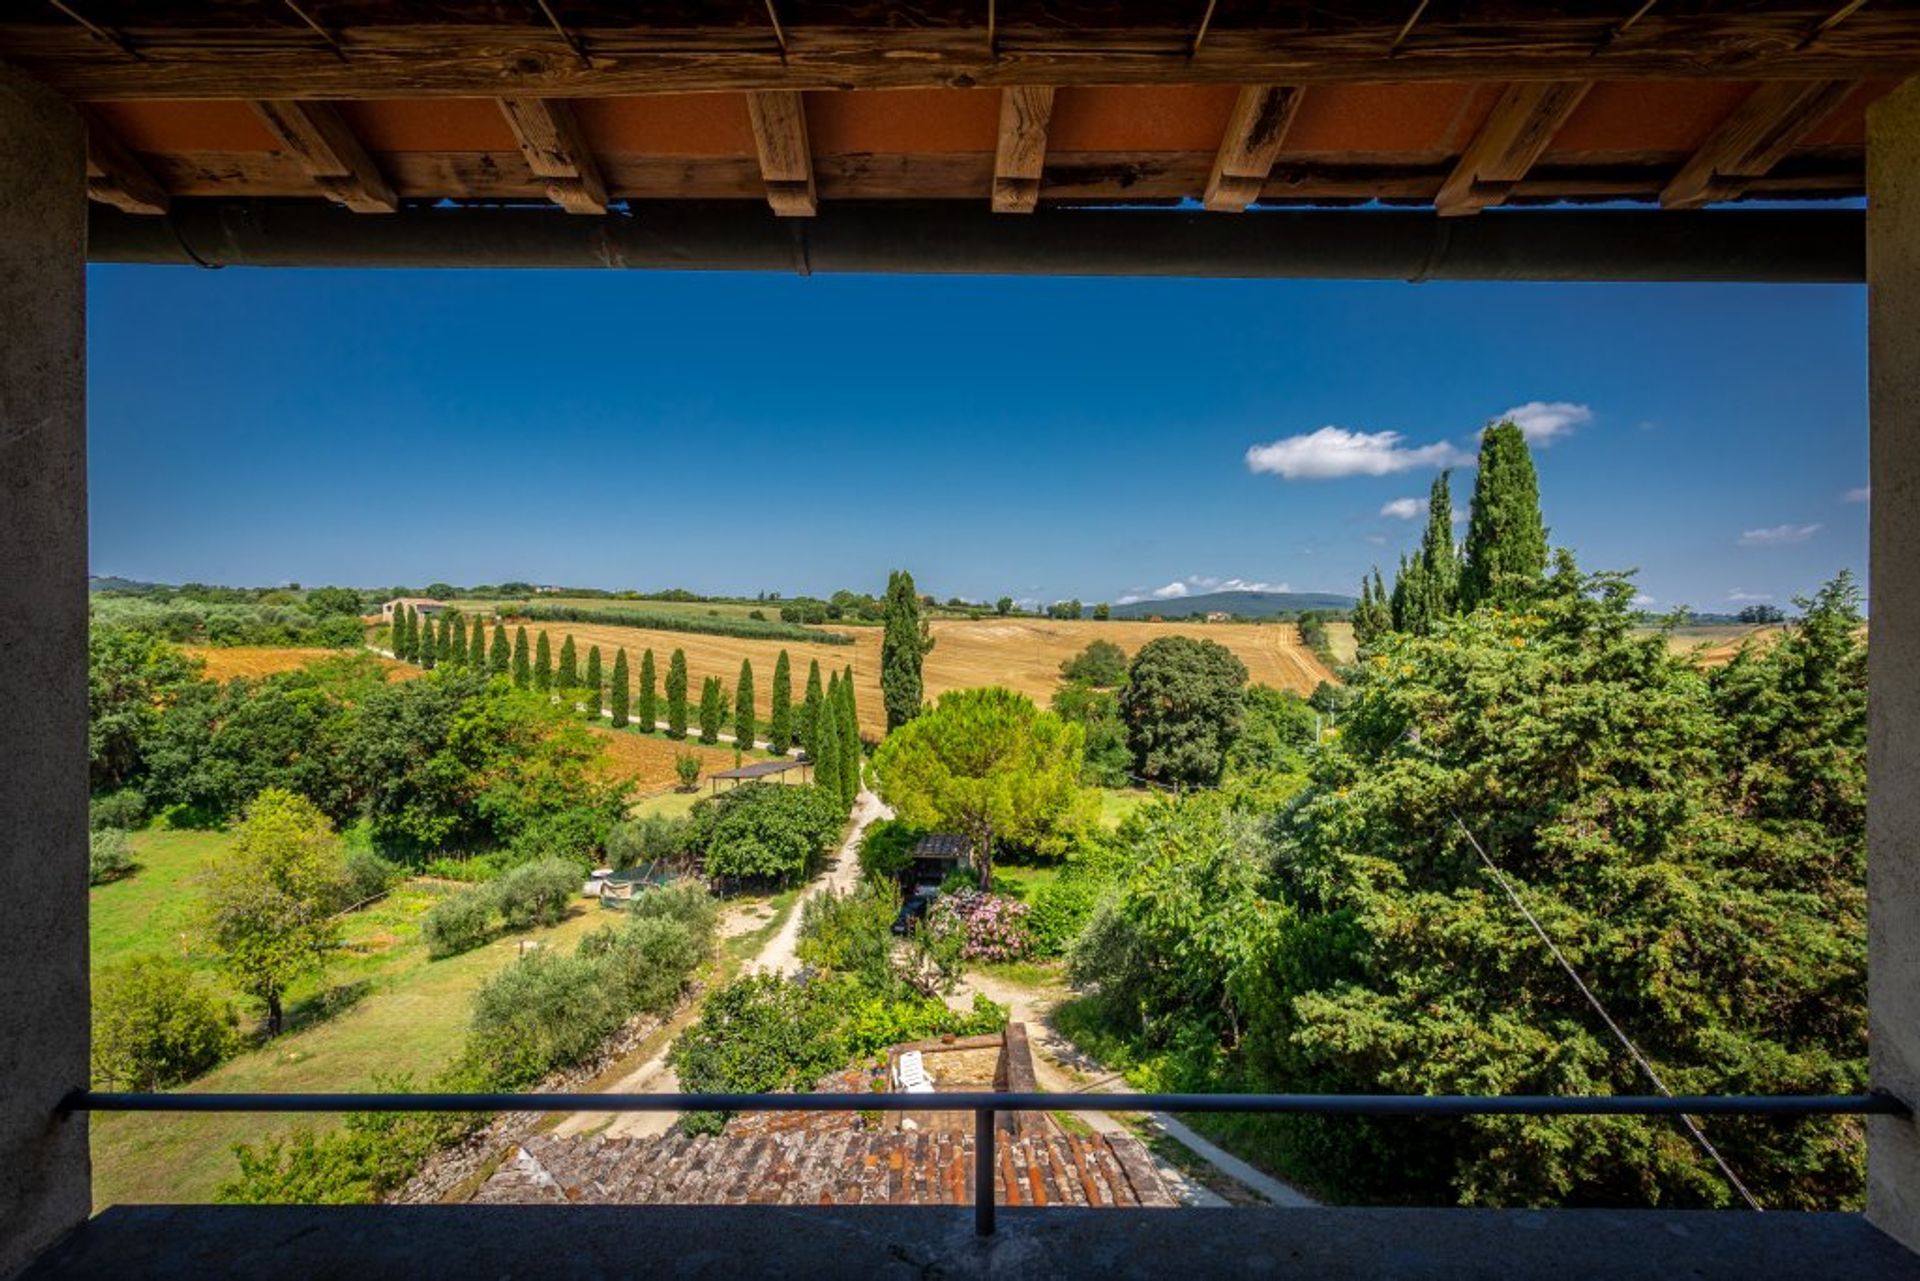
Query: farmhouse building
(425, 606)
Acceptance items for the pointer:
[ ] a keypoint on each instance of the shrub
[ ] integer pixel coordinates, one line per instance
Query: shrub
(886, 847)
(1060, 910)
(108, 858)
(577, 835)
(458, 923)
(156, 1023)
(656, 837)
(686, 767)
(536, 893)
(471, 870)
(646, 961)
(995, 928)
(368, 875)
(545, 1011)
(685, 901)
(125, 809)
(851, 933)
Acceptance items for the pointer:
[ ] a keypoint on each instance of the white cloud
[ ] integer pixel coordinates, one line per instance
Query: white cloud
(1643, 600)
(1739, 597)
(1864, 494)
(1777, 535)
(1334, 452)
(1403, 508)
(1378, 540)
(1544, 421)
(1192, 583)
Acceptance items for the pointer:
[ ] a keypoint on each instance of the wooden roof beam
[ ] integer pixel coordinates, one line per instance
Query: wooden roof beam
(786, 161)
(1255, 132)
(315, 135)
(1755, 138)
(116, 177)
(1021, 156)
(557, 153)
(1523, 122)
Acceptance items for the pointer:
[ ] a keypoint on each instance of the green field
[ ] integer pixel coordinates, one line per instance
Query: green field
(1118, 802)
(677, 608)
(383, 1008)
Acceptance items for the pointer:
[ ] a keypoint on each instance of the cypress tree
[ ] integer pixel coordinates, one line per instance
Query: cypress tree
(522, 670)
(646, 710)
(902, 648)
(677, 695)
(593, 682)
(543, 664)
(500, 654)
(780, 712)
(402, 631)
(477, 647)
(568, 677)
(810, 709)
(1506, 552)
(443, 640)
(457, 652)
(617, 696)
(1438, 562)
(849, 739)
(413, 635)
(824, 751)
(713, 709)
(743, 726)
(428, 646)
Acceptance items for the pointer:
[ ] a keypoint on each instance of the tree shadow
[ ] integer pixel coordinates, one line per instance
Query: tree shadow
(328, 1003)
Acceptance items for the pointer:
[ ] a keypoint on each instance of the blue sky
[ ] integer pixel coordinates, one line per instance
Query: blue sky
(1039, 437)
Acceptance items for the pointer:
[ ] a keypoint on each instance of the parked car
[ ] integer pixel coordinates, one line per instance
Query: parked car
(914, 909)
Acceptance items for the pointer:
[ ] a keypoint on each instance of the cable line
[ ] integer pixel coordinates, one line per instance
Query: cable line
(1693, 1127)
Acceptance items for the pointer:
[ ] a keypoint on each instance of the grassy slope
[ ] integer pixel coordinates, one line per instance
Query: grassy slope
(402, 1013)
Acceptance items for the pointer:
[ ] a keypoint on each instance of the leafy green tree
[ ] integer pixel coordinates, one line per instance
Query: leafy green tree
(269, 899)
(766, 831)
(1182, 705)
(543, 664)
(594, 683)
(1102, 612)
(810, 709)
(522, 669)
(677, 695)
(568, 675)
(646, 709)
(991, 765)
(780, 711)
(713, 709)
(500, 655)
(620, 696)
(1102, 664)
(1506, 549)
(1003, 606)
(133, 678)
(1108, 759)
(743, 726)
(903, 648)
(826, 752)
(156, 1023)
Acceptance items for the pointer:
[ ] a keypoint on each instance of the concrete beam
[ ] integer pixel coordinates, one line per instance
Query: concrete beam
(44, 1174)
(1893, 747)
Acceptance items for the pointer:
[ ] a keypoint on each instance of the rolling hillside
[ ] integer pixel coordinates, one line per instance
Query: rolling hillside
(1239, 604)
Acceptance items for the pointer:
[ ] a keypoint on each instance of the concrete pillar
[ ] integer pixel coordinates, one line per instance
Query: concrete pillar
(44, 1174)
(1893, 747)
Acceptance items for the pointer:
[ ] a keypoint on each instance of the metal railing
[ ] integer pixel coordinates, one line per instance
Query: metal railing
(986, 1105)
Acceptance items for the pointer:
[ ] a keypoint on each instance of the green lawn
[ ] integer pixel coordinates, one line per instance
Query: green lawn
(392, 1011)
(1118, 802)
(1023, 881)
(666, 804)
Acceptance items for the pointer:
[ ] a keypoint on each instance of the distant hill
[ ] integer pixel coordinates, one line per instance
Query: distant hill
(1239, 604)
(111, 583)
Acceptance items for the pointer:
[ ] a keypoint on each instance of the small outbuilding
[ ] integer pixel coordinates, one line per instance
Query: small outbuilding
(425, 606)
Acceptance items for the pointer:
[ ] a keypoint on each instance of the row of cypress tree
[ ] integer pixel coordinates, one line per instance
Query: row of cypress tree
(1502, 563)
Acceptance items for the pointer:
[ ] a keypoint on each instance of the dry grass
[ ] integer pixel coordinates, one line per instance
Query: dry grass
(255, 661)
(1022, 653)
(647, 759)
(1715, 644)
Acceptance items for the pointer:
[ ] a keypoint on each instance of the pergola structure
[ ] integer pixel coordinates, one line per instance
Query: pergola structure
(1409, 139)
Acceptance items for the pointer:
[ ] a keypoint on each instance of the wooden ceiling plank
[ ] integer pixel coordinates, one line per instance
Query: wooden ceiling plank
(316, 136)
(779, 120)
(1521, 125)
(116, 177)
(549, 136)
(1020, 158)
(1475, 42)
(1256, 131)
(1755, 138)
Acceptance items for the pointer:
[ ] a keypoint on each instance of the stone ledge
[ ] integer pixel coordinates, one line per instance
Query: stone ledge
(292, 1243)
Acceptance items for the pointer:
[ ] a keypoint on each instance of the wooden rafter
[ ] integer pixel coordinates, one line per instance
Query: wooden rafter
(1755, 138)
(1523, 122)
(549, 137)
(428, 56)
(1255, 132)
(315, 135)
(786, 161)
(116, 177)
(1021, 155)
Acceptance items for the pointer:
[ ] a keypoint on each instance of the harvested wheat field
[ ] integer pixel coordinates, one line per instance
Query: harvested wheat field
(1022, 653)
(646, 760)
(254, 661)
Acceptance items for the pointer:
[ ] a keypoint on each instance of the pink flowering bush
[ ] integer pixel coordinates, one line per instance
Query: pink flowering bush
(995, 928)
